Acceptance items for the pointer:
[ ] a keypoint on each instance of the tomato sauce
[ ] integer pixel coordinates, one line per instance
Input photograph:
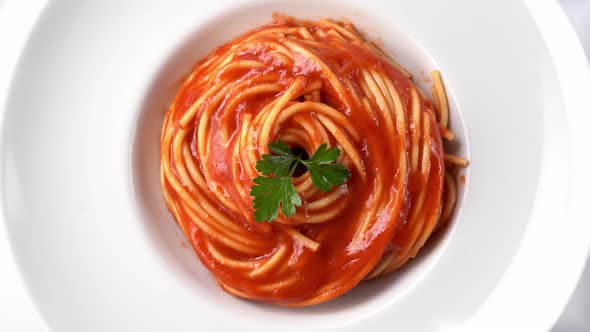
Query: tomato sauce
(373, 217)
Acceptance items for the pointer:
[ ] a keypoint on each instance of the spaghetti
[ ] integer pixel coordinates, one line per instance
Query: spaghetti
(306, 83)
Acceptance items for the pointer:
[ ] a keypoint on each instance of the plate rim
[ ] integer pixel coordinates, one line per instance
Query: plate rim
(568, 60)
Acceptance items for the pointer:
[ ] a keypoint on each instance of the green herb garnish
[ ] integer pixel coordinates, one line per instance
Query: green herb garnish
(276, 189)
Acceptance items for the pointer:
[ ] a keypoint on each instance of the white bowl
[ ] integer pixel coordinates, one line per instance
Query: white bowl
(99, 252)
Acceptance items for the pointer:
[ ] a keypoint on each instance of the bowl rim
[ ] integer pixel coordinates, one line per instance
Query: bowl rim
(571, 66)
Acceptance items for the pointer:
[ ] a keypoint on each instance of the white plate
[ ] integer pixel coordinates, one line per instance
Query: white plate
(98, 252)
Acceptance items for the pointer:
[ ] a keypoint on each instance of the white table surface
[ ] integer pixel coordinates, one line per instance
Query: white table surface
(17, 312)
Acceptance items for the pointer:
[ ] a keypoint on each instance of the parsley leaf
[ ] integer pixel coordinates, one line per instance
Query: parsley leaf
(324, 173)
(269, 193)
(275, 189)
(279, 164)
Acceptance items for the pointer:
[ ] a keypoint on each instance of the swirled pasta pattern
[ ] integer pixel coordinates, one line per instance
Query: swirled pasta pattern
(306, 83)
